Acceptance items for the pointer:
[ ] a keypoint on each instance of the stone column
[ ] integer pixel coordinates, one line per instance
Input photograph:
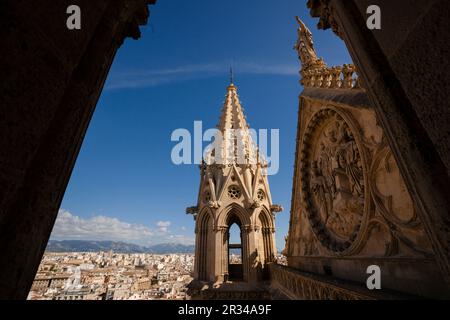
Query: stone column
(252, 254)
(273, 242)
(197, 254)
(221, 272)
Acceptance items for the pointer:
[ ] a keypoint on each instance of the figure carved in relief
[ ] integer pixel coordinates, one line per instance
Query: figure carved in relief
(322, 190)
(337, 179)
(349, 162)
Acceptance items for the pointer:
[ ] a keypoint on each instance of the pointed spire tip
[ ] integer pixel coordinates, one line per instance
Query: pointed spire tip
(231, 85)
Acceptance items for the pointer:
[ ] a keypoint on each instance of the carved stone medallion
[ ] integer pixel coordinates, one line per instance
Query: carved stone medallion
(333, 179)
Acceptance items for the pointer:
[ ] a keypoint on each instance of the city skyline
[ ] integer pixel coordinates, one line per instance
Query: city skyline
(112, 276)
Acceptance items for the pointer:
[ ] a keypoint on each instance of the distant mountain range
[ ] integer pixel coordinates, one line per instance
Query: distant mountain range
(116, 246)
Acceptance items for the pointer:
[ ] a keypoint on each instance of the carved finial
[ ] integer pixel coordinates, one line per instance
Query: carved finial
(315, 72)
(305, 47)
(301, 24)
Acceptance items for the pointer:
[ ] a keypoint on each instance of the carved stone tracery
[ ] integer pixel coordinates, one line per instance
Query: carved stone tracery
(333, 182)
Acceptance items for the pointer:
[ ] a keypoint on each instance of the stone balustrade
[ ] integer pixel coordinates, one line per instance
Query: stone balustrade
(289, 283)
(338, 77)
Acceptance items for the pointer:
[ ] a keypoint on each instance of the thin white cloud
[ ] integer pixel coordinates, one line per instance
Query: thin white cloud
(155, 77)
(163, 223)
(101, 227)
(163, 226)
(72, 227)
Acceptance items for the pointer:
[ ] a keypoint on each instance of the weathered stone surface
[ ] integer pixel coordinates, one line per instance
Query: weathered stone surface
(387, 231)
(292, 284)
(233, 190)
(351, 205)
(406, 78)
(51, 80)
(355, 98)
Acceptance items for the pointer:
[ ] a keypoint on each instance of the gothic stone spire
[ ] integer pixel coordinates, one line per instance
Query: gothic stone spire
(236, 191)
(238, 146)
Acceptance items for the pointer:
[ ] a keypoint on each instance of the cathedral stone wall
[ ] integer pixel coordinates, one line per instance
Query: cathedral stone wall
(351, 208)
(405, 71)
(369, 186)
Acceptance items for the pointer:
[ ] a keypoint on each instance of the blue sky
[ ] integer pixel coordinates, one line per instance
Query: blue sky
(124, 185)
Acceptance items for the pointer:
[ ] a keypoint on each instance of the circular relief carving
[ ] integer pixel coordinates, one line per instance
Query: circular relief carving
(333, 180)
(260, 195)
(207, 196)
(234, 192)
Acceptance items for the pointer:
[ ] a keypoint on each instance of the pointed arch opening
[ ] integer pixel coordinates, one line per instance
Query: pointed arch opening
(235, 244)
(235, 252)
